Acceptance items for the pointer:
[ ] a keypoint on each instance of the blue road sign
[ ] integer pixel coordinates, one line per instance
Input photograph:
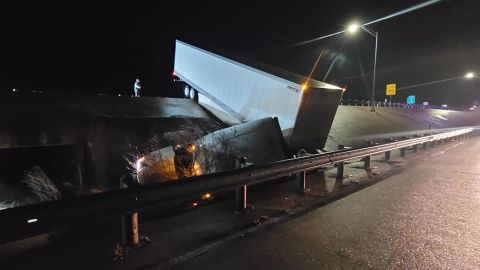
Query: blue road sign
(411, 100)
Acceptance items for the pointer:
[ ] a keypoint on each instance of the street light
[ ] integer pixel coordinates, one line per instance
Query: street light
(352, 29)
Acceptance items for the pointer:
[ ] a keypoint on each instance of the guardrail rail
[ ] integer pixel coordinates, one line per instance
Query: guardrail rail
(25, 221)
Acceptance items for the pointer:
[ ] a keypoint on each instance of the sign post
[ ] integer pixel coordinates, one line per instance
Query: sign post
(391, 90)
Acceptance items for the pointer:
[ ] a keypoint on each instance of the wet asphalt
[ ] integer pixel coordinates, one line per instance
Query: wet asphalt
(427, 217)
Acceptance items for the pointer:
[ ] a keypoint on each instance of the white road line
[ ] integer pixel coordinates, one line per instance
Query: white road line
(446, 149)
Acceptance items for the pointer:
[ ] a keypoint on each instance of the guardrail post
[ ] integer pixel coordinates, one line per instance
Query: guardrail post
(241, 192)
(368, 159)
(301, 176)
(403, 150)
(388, 153)
(340, 166)
(129, 222)
(415, 147)
(368, 162)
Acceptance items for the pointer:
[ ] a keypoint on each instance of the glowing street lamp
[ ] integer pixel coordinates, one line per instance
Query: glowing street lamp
(352, 29)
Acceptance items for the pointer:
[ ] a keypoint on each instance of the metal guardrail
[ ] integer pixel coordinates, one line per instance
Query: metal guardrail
(366, 103)
(24, 221)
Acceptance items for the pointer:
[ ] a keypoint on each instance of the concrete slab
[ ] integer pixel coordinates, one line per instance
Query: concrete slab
(95, 106)
(354, 124)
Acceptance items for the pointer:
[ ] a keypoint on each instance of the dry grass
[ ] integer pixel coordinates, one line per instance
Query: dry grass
(40, 185)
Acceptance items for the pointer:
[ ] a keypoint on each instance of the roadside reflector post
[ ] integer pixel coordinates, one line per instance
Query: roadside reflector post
(340, 166)
(241, 192)
(301, 176)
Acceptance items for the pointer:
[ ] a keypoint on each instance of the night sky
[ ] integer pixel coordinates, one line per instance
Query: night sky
(102, 47)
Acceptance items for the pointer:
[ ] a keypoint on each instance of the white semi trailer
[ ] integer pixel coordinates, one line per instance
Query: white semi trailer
(247, 91)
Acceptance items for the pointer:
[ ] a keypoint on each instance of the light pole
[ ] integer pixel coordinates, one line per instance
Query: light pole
(352, 29)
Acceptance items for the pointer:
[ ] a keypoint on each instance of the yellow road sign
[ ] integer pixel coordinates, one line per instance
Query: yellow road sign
(391, 89)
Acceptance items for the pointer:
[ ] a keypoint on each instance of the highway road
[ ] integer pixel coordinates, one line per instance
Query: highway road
(427, 217)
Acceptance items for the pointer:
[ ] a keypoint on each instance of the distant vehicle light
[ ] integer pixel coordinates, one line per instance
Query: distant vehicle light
(304, 87)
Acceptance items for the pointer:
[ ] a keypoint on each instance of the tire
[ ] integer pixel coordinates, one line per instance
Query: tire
(186, 91)
(193, 93)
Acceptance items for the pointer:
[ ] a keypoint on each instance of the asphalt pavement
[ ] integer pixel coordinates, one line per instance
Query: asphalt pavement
(427, 217)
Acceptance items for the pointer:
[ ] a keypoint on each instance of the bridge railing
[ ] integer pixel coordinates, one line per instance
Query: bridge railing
(25, 221)
(362, 102)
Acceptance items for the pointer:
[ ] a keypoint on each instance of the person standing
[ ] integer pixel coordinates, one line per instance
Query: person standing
(136, 87)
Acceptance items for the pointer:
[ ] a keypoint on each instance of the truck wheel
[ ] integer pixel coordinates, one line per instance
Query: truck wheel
(186, 91)
(193, 93)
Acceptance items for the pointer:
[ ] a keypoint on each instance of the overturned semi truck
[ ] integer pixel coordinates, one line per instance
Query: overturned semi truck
(239, 90)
